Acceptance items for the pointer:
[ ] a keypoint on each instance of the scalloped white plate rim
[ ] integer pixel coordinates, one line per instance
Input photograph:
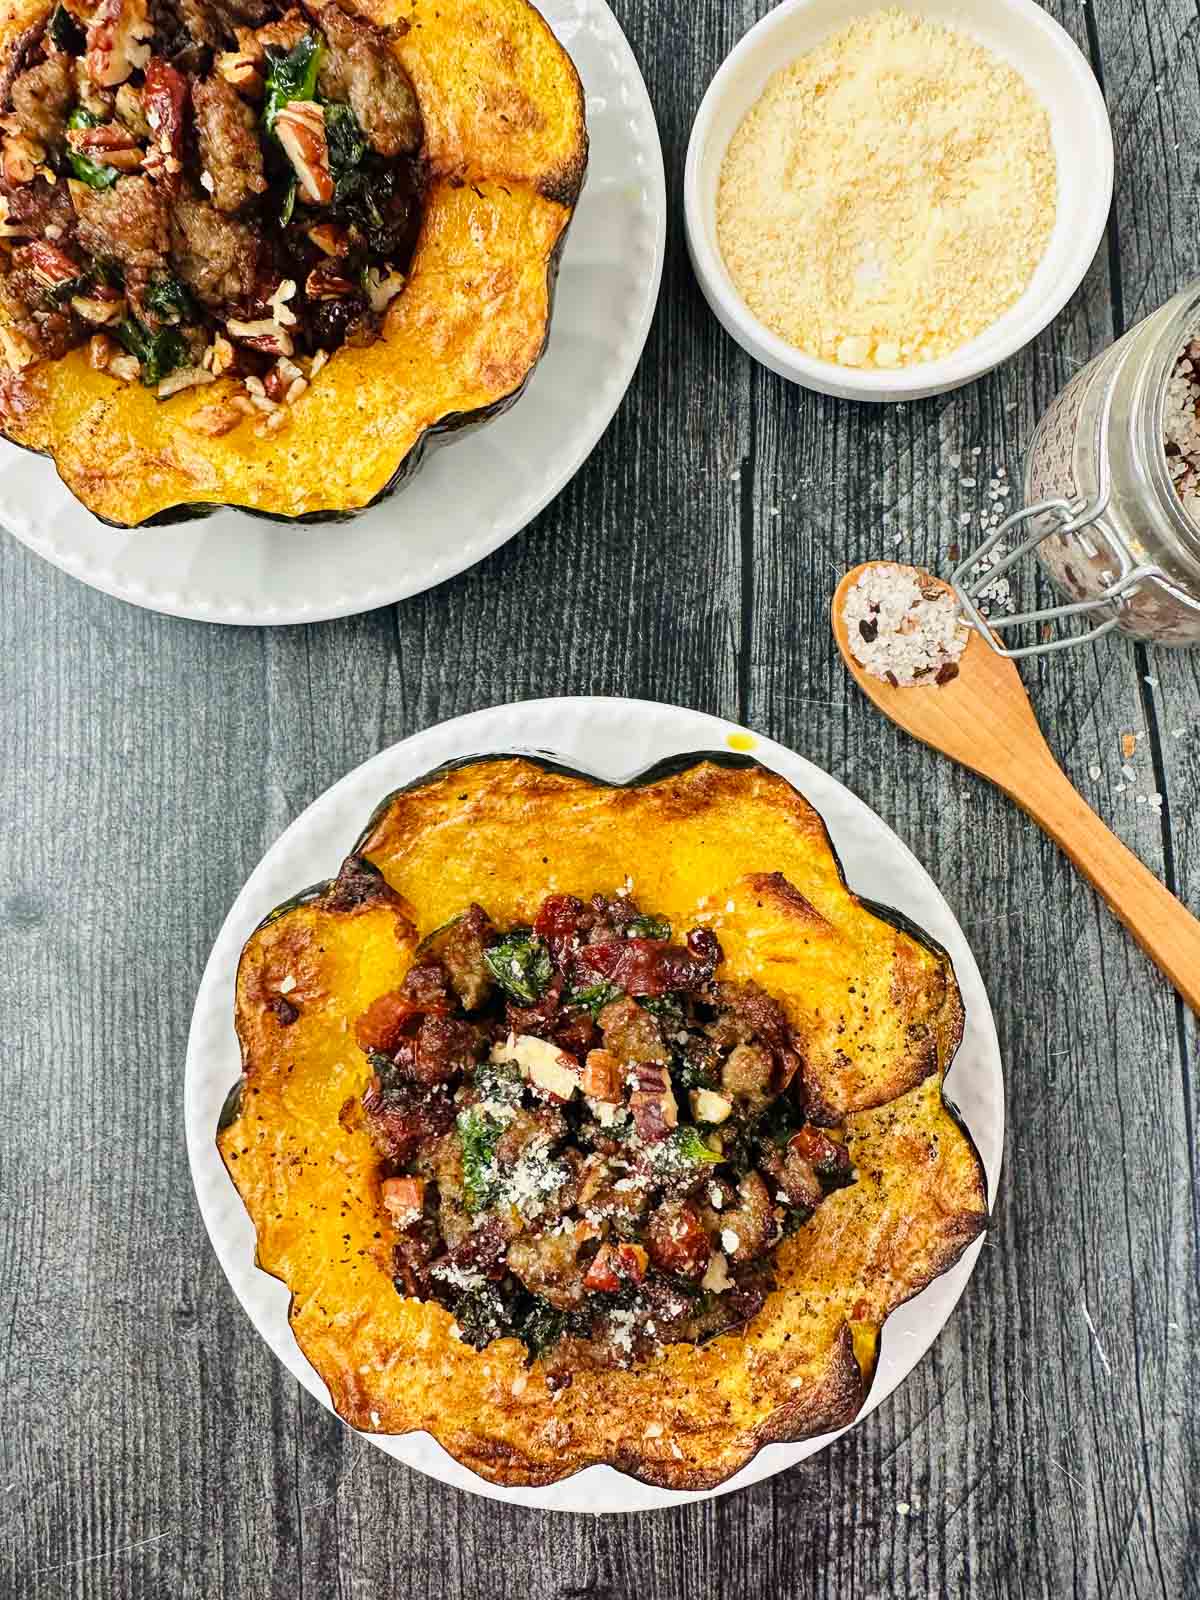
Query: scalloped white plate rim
(21, 521)
(611, 739)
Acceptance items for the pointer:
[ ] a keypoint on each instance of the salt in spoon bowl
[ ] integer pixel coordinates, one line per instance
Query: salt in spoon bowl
(983, 719)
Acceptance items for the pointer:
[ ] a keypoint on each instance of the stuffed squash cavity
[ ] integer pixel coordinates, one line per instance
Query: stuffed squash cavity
(256, 254)
(597, 1124)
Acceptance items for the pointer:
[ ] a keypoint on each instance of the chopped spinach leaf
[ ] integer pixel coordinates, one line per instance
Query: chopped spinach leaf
(385, 1070)
(594, 999)
(649, 928)
(291, 76)
(541, 1328)
(365, 196)
(482, 1315)
(288, 203)
(167, 298)
(93, 173)
(694, 1067)
(478, 1135)
(344, 137)
(794, 1218)
(779, 1121)
(668, 1008)
(520, 964)
(159, 353)
(62, 292)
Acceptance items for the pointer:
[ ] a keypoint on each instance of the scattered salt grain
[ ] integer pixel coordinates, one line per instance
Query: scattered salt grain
(1093, 771)
(903, 627)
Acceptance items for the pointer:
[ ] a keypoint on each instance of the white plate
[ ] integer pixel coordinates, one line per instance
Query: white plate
(473, 493)
(612, 739)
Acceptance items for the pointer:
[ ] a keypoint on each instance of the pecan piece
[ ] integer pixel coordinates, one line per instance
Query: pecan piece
(109, 145)
(21, 159)
(653, 1105)
(602, 1076)
(118, 41)
(263, 335)
(51, 266)
(241, 72)
(325, 282)
(331, 239)
(300, 129)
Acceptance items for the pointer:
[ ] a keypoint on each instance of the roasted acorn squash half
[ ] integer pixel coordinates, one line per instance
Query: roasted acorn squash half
(505, 151)
(875, 1004)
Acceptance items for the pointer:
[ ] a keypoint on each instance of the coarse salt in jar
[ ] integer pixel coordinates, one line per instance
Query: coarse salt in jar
(1105, 514)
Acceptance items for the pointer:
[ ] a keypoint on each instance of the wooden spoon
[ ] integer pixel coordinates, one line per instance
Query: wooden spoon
(983, 719)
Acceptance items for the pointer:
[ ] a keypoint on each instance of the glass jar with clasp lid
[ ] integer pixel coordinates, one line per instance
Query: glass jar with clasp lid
(1102, 509)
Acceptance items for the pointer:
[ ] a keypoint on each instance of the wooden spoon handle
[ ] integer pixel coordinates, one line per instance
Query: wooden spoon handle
(1164, 928)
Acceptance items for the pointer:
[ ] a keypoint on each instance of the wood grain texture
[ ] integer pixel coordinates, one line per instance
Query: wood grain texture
(1050, 1443)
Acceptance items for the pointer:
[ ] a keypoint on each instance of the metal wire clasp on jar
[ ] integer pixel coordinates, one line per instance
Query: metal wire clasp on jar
(1102, 509)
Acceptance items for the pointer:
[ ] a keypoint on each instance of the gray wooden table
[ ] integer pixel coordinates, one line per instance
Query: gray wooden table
(151, 1446)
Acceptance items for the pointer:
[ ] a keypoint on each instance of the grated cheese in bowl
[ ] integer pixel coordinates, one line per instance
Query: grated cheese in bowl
(890, 195)
(904, 626)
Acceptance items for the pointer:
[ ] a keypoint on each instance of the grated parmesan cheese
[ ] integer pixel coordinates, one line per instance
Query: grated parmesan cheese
(890, 195)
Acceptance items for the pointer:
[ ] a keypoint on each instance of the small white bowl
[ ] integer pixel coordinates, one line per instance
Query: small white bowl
(1023, 35)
